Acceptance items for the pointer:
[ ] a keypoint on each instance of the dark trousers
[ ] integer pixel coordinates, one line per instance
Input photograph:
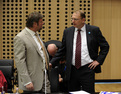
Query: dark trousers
(63, 86)
(82, 79)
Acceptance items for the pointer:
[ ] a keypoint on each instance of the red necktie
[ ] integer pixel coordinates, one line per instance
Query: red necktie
(78, 51)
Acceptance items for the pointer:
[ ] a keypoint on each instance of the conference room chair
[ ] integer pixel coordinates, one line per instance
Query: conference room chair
(7, 68)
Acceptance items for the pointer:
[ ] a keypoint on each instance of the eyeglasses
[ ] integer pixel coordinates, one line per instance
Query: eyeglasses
(75, 19)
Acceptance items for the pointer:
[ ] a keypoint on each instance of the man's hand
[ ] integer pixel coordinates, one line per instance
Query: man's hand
(60, 79)
(50, 65)
(93, 64)
(30, 87)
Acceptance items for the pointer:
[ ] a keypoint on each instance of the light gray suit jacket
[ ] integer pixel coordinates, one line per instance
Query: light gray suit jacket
(28, 61)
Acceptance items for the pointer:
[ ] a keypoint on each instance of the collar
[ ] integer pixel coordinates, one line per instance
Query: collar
(30, 31)
(82, 29)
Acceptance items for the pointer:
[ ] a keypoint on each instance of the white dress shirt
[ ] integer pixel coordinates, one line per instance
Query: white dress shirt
(85, 58)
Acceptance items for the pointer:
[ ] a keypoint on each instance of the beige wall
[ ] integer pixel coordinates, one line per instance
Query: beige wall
(57, 17)
(0, 31)
(107, 15)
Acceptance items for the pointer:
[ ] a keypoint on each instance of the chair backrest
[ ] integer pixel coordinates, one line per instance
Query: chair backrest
(7, 62)
(7, 71)
(7, 67)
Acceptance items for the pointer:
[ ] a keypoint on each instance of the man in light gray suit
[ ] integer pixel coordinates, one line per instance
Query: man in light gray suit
(30, 58)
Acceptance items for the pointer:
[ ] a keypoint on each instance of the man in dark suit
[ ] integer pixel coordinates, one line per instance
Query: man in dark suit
(52, 47)
(90, 39)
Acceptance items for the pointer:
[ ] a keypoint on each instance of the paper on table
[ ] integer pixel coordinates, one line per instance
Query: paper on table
(79, 92)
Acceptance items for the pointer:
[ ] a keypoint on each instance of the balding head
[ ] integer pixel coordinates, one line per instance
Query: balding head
(52, 49)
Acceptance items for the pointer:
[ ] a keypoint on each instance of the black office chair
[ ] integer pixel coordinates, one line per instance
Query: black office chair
(7, 71)
(7, 67)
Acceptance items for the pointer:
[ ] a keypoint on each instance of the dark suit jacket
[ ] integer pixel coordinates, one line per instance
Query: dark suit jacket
(95, 40)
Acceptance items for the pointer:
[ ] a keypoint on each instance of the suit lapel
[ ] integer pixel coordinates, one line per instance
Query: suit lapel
(88, 35)
(71, 37)
(28, 35)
